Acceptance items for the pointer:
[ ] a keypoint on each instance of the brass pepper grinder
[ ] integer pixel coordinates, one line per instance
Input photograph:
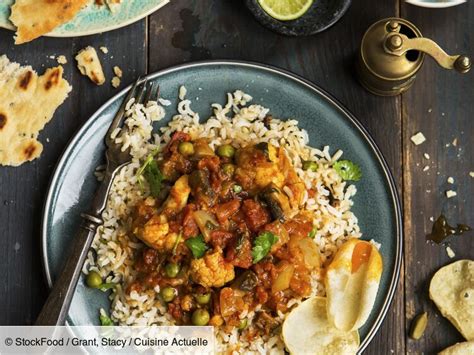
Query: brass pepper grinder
(392, 52)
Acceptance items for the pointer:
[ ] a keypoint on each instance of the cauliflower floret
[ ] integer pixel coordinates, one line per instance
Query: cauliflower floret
(155, 233)
(212, 270)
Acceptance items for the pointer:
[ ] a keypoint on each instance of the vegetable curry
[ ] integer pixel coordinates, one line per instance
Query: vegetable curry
(223, 232)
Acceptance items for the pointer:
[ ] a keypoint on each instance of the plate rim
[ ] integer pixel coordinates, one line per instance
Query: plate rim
(394, 280)
(435, 5)
(128, 22)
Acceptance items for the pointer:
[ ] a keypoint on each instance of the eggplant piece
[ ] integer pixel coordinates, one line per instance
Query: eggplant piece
(199, 180)
(276, 201)
(247, 281)
(202, 149)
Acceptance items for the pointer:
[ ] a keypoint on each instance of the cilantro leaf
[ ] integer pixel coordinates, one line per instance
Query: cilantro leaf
(348, 170)
(197, 245)
(151, 173)
(313, 232)
(154, 177)
(262, 245)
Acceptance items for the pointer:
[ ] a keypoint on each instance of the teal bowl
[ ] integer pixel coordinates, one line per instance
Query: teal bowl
(376, 203)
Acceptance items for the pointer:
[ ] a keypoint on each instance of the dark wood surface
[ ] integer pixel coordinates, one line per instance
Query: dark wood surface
(440, 104)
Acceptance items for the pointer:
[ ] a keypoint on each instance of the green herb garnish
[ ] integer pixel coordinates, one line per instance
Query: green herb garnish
(105, 320)
(197, 245)
(348, 170)
(151, 173)
(262, 245)
(107, 286)
(313, 232)
(175, 246)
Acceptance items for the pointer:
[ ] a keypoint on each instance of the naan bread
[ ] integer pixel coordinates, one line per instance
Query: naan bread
(88, 64)
(27, 103)
(452, 290)
(34, 18)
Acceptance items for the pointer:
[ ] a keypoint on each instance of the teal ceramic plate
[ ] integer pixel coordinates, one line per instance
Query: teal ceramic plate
(288, 96)
(94, 19)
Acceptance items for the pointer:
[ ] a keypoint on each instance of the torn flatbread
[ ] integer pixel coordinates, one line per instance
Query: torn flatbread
(27, 104)
(34, 18)
(88, 64)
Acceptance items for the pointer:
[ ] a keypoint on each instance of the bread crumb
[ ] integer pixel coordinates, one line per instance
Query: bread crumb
(418, 138)
(88, 64)
(115, 81)
(447, 145)
(104, 49)
(182, 92)
(442, 113)
(450, 180)
(427, 156)
(432, 219)
(118, 71)
(52, 57)
(450, 252)
(455, 142)
(426, 168)
(430, 110)
(450, 193)
(471, 174)
(61, 59)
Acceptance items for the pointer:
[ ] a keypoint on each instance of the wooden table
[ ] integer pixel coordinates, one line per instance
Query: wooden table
(440, 104)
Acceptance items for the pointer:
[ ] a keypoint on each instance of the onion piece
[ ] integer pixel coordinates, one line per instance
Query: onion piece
(310, 251)
(282, 281)
(206, 223)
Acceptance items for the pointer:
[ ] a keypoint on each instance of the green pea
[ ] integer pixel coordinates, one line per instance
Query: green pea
(168, 294)
(228, 169)
(93, 280)
(226, 151)
(203, 298)
(186, 148)
(310, 165)
(200, 317)
(237, 189)
(243, 324)
(172, 269)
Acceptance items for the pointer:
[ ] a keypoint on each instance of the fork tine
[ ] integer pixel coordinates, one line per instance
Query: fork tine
(121, 112)
(141, 92)
(157, 95)
(149, 90)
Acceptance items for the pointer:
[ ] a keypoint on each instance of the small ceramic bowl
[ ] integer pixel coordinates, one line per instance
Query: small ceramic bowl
(435, 4)
(320, 16)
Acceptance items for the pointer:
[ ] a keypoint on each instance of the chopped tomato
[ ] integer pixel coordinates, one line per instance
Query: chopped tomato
(255, 215)
(225, 210)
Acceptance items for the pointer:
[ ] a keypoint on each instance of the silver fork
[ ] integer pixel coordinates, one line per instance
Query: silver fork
(55, 309)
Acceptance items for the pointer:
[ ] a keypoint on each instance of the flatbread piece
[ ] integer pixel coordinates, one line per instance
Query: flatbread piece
(34, 18)
(27, 104)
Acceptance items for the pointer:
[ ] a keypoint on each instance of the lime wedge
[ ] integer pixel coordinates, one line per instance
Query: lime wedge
(285, 10)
